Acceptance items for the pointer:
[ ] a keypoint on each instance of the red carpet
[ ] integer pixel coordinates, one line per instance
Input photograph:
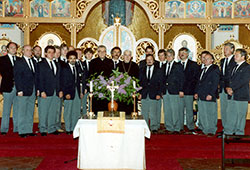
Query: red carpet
(163, 152)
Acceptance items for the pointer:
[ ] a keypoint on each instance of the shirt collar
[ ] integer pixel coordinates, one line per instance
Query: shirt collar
(240, 63)
(207, 67)
(229, 58)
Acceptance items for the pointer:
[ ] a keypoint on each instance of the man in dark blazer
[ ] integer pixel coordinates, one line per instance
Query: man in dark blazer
(72, 92)
(191, 71)
(98, 65)
(238, 95)
(116, 53)
(8, 89)
(88, 54)
(226, 66)
(49, 89)
(206, 93)
(173, 81)
(151, 82)
(25, 82)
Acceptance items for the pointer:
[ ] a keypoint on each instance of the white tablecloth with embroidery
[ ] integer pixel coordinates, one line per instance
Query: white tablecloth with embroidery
(111, 151)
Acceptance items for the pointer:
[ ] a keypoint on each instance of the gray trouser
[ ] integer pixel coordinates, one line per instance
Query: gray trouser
(9, 99)
(172, 112)
(223, 107)
(72, 109)
(48, 114)
(26, 105)
(236, 117)
(148, 110)
(186, 106)
(39, 108)
(158, 111)
(84, 104)
(59, 114)
(207, 116)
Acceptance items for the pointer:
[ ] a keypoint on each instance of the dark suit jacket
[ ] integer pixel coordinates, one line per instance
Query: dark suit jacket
(47, 81)
(98, 66)
(239, 82)
(143, 64)
(86, 71)
(208, 85)
(6, 71)
(224, 79)
(25, 79)
(191, 72)
(131, 67)
(152, 87)
(68, 82)
(173, 83)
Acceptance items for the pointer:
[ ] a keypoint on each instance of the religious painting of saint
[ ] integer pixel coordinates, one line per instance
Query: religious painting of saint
(1, 8)
(7, 26)
(227, 28)
(174, 9)
(242, 9)
(195, 9)
(39, 8)
(187, 41)
(48, 39)
(14, 8)
(60, 8)
(108, 41)
(222, 9)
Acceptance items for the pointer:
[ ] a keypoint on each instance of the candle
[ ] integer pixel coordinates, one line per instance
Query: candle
(134, 84)
(91, 86)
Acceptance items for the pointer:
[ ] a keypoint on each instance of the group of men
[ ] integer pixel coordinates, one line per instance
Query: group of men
(60, 77)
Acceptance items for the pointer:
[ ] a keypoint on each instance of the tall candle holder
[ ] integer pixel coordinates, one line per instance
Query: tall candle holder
(90, 114)
(134, 114)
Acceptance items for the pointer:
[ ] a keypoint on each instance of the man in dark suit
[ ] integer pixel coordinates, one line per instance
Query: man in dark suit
(226, 65)
(206, 93)
(116, 53)
(72, 92)
(8, 89)
(49, 88)
(162, 61)
(238, 93)
(98, 65)
(25, 82)
(173, 81)
(191, 71)
(88, 54)
(37, 53)
(151, 82)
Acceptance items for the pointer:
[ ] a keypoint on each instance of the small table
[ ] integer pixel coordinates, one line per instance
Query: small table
(111, 150)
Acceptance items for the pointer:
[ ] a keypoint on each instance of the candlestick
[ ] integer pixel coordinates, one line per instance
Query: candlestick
(134, 114)
(91, 86)
(90, 114)
(134, 84)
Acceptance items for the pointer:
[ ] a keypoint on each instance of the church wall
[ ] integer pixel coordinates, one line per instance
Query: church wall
(14, 34)
(45, 28)
(244, 35)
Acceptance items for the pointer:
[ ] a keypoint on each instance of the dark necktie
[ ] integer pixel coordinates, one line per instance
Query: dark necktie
(225, 66)
(52, 67)
(183, 65)
(13, 59)
(74, 72)
(31, 68)
(203, 72)
(235, 69)
(149, 72)
(168, 71)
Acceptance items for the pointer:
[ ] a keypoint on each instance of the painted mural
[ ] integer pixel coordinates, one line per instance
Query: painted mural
(14, 8)
(1, 8)
(222, 9)
(60, 8)
(39, 8)
(174, 9)
(242, 9)
(195, 9)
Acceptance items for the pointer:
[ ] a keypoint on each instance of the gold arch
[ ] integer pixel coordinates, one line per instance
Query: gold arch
(84, 7)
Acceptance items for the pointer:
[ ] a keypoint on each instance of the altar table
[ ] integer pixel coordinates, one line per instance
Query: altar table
(111, 151)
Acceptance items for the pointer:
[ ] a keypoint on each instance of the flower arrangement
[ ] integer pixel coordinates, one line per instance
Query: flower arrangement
(127, 86)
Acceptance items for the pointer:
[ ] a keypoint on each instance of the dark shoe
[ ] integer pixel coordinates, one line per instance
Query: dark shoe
(3, 133)
(176, 133)
(43, 134)
(220, 133)
(31, 134)
(23, 135)
(68, 133)
(55, 133)
(154, 131)
(210, 135)
(219, 136)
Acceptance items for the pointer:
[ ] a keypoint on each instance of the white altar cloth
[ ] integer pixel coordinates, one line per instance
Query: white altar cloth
(111, 151)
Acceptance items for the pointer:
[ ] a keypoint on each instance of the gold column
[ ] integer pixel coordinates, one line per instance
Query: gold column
(208, 29)
(161, 29)
(26, 23)
(73, 28)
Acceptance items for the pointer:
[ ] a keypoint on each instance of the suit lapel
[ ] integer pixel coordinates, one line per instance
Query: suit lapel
(207, 72)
